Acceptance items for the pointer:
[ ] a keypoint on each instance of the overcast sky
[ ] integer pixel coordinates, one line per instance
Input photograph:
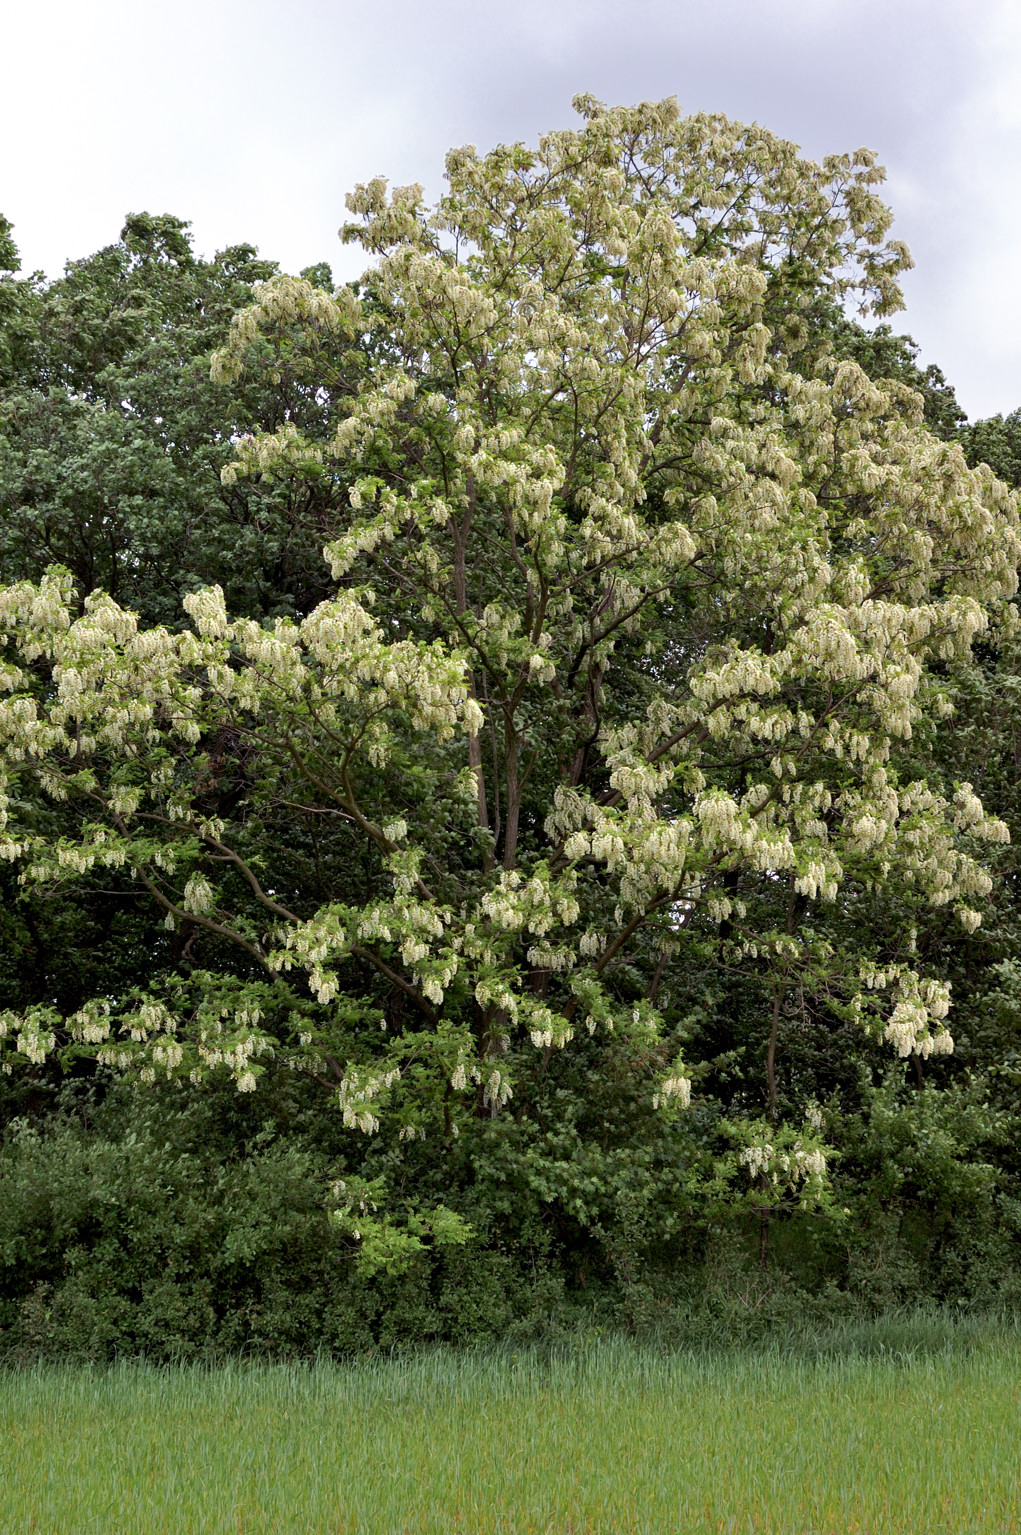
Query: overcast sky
(252, 119)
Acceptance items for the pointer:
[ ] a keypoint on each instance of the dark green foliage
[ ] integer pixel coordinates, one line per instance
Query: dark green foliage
(178, 1224)
(182, 1225)
(996, 442)
(112, 435)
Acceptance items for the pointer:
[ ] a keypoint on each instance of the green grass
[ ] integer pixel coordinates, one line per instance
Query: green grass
(916, 1429)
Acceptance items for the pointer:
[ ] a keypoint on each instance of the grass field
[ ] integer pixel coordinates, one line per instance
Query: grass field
(879, 1433)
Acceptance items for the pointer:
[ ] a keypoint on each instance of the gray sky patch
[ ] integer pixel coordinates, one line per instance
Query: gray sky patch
(253, 119)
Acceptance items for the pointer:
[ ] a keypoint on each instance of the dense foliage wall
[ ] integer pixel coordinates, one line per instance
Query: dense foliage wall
(654, 403)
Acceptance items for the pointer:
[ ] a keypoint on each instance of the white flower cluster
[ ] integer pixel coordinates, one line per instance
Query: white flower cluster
(675, 1086)
(198, 895)
(496, 1089)
(92, 1022)
(533, 905)
(32, 1033)
(361, 1087)
(788, 1166)
(282, 302)
(919, 1003)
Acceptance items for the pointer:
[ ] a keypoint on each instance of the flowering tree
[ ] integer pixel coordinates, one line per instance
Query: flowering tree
(637, 594)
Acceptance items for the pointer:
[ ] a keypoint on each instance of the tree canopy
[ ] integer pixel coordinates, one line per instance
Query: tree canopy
(586, 807)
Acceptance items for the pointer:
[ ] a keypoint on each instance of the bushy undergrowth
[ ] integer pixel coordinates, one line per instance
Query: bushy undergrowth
(177, 1225)
(128, 1229)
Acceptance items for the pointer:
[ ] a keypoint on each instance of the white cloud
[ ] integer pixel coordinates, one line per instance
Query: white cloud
(252, 119)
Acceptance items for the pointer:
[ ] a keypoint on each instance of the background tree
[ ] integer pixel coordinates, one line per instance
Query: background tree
(112, 436)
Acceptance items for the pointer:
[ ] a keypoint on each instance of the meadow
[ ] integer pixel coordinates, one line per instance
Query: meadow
(888, 1431)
